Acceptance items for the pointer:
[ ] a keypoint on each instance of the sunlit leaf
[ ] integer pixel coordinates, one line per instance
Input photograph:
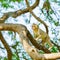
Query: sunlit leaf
(54, 49)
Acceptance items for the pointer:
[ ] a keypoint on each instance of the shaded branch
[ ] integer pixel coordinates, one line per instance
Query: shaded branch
(9, 52)
(38, 46)
(37, 18)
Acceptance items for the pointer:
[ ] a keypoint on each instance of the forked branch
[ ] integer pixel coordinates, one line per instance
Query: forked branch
(18, 12)
(37, 18)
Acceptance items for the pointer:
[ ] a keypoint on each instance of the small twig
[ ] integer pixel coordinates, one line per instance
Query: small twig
(18, 12)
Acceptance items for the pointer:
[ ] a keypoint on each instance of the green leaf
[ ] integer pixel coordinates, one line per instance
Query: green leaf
(13, 0)
(41, 52)
(54, 49)
(1, 0)
(47, 45)
(5, 58)
(5, 5)
(10, 32)
(51, 12)
(15, 56)
(56, 23)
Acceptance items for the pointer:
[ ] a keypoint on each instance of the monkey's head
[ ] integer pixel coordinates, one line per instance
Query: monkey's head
(35, 27)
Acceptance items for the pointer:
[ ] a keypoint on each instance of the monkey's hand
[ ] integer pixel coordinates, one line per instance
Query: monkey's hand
(38, 37)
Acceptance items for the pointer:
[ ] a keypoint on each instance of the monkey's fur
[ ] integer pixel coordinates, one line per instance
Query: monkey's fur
(40, 34)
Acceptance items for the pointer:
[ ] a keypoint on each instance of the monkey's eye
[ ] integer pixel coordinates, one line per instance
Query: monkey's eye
(34, 27)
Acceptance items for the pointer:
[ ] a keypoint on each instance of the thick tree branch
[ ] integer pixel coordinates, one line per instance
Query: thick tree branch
(18, 12)
(32, 51)
(9, 52)
(38, 46)
(34, 54)
(37, 18)
(14, 27)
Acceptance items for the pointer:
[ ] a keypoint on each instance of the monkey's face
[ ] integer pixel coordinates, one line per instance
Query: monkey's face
(34, 27)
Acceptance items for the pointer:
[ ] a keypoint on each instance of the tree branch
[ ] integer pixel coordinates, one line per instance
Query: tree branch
(18, 12)
(34, 54)
(31, 51)
(9, 52)
(14, 27)
(37, 18)
(38, 46)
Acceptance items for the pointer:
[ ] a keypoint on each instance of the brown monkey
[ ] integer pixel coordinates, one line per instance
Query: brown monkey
(39, 34)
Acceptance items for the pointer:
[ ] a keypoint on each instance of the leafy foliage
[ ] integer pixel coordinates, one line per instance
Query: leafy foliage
(6, 3)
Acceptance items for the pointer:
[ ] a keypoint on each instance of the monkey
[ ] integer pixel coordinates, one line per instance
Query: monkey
(40, 34)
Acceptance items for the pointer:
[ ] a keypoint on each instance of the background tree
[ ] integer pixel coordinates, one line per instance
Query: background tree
(18, 17)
